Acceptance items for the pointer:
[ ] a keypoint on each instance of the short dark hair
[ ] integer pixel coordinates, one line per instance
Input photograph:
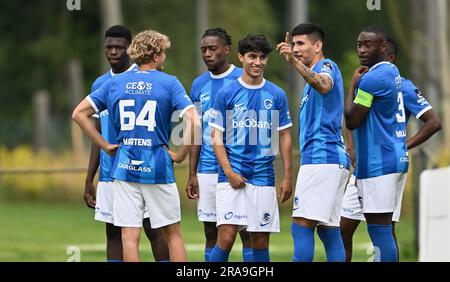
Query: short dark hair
(254, 43)
(220, 33)
(310, 29)
(378, 30)
(392, 48)
(119, 31)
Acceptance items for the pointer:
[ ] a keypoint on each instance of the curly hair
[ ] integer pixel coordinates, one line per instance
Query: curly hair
(146, 45)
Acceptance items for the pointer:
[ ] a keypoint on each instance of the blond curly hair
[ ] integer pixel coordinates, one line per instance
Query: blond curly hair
(146, 45)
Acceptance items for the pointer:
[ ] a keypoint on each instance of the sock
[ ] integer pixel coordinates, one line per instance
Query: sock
(261, 255)
(207, 253)
(332, 241)
(218, 255)
(247, 254)
(114, 260)
(383, 242)
(303, 243)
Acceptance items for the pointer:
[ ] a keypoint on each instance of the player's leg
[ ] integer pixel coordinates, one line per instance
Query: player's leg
(231, 213)
(398, 209)
(351, 216)
(157, 241)
(206, 209)
(263, 218)
(104, 213)
(247, 253)
(163, 202)
(113, 243)
(348, 228)
(128, 213)
(175, 242)
(379, 196)
(395, 239)
(211, 233)
(302, 231)
(130, 243)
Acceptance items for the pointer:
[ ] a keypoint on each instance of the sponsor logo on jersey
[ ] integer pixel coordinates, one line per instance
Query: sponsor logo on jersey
(400, 133)
(240, 107)
(138, 88)
(204, 97)
(134, 165)
(251, 123)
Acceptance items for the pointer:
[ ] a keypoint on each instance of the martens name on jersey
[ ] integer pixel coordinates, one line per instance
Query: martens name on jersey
(134, 165)
(138, 88)
(137, 142)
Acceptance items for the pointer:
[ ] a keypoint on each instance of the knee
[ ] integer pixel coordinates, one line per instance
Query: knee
(210, 232)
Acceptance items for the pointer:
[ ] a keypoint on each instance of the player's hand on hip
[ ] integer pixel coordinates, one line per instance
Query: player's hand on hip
(192, 188)
(89, 194)
(285, 191)
(111, 149)
(236, 180)
(177, 158)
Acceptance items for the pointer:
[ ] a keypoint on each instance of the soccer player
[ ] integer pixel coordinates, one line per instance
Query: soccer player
(324, 164)
(415, 104)
(215, 46)
(117, 40)
(377, 115)
(140, 105)
(249, 119)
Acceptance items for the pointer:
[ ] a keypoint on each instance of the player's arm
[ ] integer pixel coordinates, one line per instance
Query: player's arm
(81, 115)
(430, 127)
(94, 160)
(350, 145)
(191, 128)
(356, 110)
(192, 184)
(285, 191)
(236, 180)
(321, 82)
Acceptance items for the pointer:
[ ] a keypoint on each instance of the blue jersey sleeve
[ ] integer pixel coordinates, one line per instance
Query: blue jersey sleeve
(180, 100)
(415, 103)
(285, 117)
(218, 112)
(372, 84)
(99, 98)
(327, 68)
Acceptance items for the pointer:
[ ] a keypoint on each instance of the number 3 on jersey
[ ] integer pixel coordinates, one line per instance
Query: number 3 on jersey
(146, 116)
(401, 116)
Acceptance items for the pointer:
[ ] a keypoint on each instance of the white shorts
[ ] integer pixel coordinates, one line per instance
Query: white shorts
(104, 203)
(319, 191)
(382, 194)
(130, 198)
(206, 204)
(254, 207)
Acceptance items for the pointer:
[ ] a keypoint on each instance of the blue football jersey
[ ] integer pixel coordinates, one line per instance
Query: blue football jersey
(415, 103)
(380, 141)
(203, 93)
(320, 120)
(140, 106)
(107, 130)
(250, 117)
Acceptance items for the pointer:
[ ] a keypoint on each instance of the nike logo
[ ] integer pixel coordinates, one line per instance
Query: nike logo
(263, 224)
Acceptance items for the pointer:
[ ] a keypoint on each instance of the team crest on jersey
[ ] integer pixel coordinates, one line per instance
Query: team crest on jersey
(268, 104)
(327, 67)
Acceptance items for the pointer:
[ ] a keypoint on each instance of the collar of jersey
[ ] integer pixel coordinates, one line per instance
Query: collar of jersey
(130, 68)
(222, 75)
(248, 86)
(376, 65)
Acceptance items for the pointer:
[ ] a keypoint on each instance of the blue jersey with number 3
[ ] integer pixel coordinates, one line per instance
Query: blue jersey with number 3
(380, 140)
(141, 105)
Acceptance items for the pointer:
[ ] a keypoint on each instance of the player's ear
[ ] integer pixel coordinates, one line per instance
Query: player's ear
(241, 57)
(227, 49)
(319, 46)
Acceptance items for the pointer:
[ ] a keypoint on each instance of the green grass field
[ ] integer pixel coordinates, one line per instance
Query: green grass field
(44, 231)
